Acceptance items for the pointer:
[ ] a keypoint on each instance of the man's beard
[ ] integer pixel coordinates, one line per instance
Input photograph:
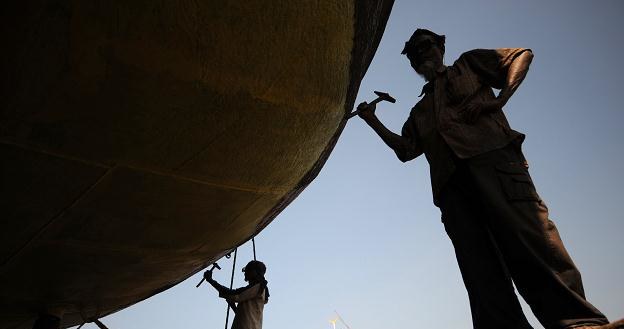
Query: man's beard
(427, 70)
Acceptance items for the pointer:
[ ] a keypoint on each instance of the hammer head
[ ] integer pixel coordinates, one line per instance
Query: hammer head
(385, 96)
(215, 265)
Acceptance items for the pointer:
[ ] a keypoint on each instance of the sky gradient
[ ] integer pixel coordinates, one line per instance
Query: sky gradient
(365, 238)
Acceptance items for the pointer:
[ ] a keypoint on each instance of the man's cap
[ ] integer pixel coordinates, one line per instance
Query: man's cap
(257, 266)
(411, 43)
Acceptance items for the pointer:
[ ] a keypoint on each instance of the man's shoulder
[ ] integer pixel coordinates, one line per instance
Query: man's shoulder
(475, 54)
(243, 288)
(488, 54)
(487, 60)
(419, 108)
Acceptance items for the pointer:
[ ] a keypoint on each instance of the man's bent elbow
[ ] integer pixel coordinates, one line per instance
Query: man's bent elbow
(405, 156)
(527, 56)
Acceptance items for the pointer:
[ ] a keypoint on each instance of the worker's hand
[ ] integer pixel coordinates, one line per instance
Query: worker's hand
(208, 275)
(474, 109)
(367, 111)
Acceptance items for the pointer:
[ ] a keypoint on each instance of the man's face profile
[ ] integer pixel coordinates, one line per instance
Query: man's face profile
(425, 56)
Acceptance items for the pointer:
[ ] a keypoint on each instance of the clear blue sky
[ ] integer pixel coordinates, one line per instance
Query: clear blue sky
(365, 239)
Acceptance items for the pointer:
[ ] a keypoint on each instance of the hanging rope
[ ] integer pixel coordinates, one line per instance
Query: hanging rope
(227, 315)
(253, 241)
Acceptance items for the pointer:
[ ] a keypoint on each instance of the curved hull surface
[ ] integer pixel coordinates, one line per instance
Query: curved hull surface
(141, 140)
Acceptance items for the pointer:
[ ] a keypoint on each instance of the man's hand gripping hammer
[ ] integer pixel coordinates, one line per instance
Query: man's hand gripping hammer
(212, 268)
(381, 96)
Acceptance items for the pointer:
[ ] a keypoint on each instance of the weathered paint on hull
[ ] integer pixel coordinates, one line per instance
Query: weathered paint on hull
(142, 140)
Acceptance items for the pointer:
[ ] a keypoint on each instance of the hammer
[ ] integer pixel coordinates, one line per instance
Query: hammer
(212, 268)
(381, 96)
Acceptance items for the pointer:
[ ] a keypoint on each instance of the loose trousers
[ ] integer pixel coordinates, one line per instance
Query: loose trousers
(501, 232)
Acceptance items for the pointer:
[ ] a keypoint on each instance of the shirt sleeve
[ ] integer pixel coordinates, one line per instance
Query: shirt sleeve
(412, 148)
(241, 294)
(491, 65)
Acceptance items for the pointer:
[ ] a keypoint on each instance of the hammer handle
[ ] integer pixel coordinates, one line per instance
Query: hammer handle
(354, 113)
(204, 279)
(200, 282)
(375, 101)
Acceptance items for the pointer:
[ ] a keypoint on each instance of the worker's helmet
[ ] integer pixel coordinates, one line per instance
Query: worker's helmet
(256, 266)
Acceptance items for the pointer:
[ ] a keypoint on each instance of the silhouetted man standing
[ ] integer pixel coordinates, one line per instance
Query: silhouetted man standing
(250, 299)
(491, 211)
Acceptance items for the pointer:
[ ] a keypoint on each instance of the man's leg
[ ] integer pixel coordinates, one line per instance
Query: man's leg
(493, 302)
(533, 251)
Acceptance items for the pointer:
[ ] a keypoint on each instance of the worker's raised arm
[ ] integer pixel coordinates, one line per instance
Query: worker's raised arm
(503, 69)
(220, 288)
(406, 148)
(516, 73)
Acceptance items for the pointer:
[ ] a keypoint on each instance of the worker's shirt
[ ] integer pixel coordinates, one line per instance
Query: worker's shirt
(251, 300)
(437, 124)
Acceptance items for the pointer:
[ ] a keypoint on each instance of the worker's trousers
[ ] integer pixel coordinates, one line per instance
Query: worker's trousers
(500, 231)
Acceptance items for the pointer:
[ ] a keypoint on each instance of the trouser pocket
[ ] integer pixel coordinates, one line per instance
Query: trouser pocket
(516, 182)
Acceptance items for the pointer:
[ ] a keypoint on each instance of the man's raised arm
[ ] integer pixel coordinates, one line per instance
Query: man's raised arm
(503, 69)
(516, 73)
(405, 148)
